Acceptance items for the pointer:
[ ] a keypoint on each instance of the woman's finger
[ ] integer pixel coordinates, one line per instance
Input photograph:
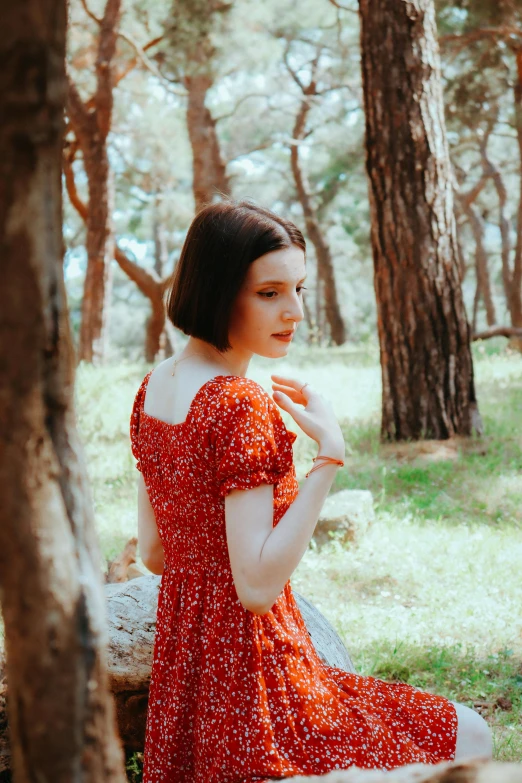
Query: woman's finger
(296, 395)
(287, 404)
(286, 389)
(292, 393)
(301, 387)
(292, 382)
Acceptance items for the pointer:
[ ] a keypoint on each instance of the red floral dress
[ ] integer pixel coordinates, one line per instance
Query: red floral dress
(237, 697)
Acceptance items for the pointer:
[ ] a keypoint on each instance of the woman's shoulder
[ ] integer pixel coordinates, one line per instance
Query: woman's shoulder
(239, 385)
(234, 400)
(227, 394)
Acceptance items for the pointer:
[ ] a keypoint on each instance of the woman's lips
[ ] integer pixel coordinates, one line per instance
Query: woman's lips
(284, 337)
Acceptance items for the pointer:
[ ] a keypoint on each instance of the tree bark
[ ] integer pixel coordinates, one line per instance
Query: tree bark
(209, 172)
(309, 322)
(313, 229)
(424, 336)
(99, 244)
(61, 713)
(91, 123)
(516, 278)
(490, 170)
(481, 261)
(157, 343)
(158, 333)
(132, 608)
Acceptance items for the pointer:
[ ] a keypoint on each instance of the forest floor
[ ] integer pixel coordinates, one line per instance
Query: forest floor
(432, 593)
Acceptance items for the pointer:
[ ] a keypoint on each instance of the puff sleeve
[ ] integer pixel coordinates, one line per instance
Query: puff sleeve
(252, 444)
(135, 422)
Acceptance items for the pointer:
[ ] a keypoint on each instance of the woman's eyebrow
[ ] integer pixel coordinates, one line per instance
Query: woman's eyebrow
(278, 282)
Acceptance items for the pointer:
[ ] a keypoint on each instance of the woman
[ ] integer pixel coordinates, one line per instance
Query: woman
(238, 693)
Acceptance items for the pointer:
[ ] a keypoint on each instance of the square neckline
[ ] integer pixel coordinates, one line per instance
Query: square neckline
(192, 403)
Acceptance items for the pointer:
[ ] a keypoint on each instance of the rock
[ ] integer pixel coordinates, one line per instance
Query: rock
(131, 610)
(326, 641)
(447, 772)
(345, 515)
(131, 614)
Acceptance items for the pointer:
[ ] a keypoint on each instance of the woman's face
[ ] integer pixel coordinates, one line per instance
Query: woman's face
(268, 303)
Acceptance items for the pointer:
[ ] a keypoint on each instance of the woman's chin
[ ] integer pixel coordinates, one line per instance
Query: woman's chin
(277, 352)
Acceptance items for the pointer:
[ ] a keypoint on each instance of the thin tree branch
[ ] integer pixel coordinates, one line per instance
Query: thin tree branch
(344, 7)
(89, 13)
(498, 331)
(481, 33)
(70, 182)
(145, 279)
(289, 68)
(149, 64)
(140, 52)
(239, 102)
(471, 195)
(79, 116)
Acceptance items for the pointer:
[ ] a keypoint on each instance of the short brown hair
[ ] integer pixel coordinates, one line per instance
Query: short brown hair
(221, 243)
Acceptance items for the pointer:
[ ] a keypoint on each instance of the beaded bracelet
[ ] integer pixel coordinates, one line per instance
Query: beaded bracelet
(327, 461)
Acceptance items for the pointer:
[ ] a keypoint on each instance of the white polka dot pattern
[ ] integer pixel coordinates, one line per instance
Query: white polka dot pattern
(237, 697)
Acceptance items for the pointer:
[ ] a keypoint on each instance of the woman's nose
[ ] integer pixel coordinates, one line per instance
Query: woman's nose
(296, 311)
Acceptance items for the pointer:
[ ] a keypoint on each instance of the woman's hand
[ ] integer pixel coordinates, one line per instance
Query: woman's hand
(312, 412)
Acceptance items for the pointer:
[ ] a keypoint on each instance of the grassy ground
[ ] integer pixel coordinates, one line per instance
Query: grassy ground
(432, 594)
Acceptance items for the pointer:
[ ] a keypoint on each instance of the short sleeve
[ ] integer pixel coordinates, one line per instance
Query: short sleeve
(252, 444)
(135, 422)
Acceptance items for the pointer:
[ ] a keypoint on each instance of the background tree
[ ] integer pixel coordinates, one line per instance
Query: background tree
(91, 123)
(61, 714)
(427, 371)
(250, 106)
(482, 45)
(191, 56)
(325, 270)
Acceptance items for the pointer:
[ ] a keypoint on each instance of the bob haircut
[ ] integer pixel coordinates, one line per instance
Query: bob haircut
(221, 243)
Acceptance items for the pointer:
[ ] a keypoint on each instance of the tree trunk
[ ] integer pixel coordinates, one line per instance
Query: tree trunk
(309, 322)
(516, 278)
(158, 345)
(99, 244)
(209, 172)
(155, 334)
(313, 229)
(492, 171)
(161, 253)
(91, 123)
(132, 608)
(481, 263)
(160, 334)
(424, 336)
(61, 714)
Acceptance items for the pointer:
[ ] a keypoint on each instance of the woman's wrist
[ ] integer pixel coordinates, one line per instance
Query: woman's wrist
(332, 448)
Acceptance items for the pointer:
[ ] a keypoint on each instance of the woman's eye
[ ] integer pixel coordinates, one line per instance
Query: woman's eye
(271, 294)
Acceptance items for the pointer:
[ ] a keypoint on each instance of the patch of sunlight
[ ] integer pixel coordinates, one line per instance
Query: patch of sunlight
(424, 583)
(502, 495)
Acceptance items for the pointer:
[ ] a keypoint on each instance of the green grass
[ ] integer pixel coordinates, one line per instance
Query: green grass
(491, 684)
(432, 593)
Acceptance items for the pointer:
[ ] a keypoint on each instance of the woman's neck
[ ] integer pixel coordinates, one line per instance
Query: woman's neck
(232, 362)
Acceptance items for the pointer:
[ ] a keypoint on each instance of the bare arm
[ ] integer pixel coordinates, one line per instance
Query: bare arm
(263, 557)
(149, 542)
